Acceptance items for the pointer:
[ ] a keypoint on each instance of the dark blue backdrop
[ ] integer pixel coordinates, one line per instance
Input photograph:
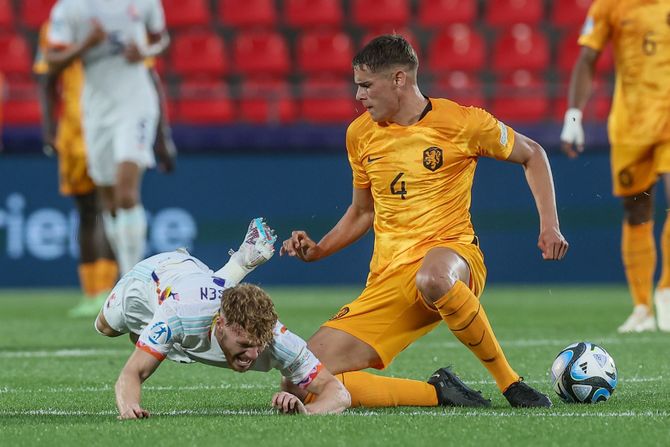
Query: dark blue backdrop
(208, 202)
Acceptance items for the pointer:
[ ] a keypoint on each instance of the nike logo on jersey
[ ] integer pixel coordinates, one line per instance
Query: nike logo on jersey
(371, 159)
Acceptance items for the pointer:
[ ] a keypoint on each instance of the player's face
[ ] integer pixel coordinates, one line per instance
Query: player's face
(378, 93)
(236, 345)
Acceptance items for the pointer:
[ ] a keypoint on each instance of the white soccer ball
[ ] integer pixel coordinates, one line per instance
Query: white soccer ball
(584, 373)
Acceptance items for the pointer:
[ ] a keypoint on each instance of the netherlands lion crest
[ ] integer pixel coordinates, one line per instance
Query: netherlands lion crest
(432, 158)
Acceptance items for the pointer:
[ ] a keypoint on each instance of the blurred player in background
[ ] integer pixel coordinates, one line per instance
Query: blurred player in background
(98, 271)
(120, 103)
(175, 307)
(413, 160)
(639, 134)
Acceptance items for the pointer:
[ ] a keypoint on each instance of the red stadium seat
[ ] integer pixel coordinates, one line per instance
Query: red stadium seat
(438, 13)
(6, 15)
(461, 87)
(568, 51)
(569, 13)
(324, 52)
(199, 53)
(21, 107)
(521, 98)
(267, 101)
(459, 47)
(204, 102)
(16, 57)
(248, 13)
(184, 13)
(328, 100)
(374, 13)
(306, 14)
(261, 53)
(35, 12)
(521, 48)
(509, 12)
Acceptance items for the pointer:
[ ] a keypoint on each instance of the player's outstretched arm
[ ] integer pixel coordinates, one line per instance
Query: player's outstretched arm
(330, 396)
(128, 387)
(581, 82)
(538, 175)
(355, 222)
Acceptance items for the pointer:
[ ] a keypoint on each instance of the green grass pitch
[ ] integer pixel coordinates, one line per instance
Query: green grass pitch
(57, 377)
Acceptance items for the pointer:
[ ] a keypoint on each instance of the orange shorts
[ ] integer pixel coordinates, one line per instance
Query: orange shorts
(72, 168)
(390, 313)
(636, 169)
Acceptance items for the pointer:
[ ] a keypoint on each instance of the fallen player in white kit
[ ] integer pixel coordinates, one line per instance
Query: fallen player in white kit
(175, 307)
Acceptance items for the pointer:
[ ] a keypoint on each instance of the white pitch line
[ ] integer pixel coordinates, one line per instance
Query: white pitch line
(64, 353)
(244, 386)
(354, 413)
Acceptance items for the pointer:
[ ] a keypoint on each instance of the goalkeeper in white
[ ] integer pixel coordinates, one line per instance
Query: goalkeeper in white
(173, 306)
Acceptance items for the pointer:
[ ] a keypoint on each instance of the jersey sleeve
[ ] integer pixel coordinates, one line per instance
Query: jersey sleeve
(161, 333)
(292, 358)
(61, 32)
(40, 65)
(361, 179)
(486, 135)
(597, 27)
(155, 21)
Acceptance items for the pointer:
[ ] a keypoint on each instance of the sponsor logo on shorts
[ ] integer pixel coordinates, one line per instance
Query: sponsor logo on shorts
(587, 28)
(342, 312)
(160, 333)
(625, 178)
(432, 158)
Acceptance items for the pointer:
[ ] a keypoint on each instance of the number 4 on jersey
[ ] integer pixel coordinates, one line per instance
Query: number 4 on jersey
(402, 191)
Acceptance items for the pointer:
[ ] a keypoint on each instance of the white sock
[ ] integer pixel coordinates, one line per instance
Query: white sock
(131, 227)
(109, 224)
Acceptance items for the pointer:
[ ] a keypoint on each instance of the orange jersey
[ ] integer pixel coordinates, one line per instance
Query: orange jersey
(72, 83)
(421, 176)
(640, 35)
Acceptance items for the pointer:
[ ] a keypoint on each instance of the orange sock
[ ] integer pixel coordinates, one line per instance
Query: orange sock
(107, 273)
(465, 316)
(665, 252)
(87, 275)
(370, 390)
(638, 252)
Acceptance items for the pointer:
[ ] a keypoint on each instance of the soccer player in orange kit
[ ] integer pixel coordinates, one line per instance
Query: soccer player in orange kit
(413, 160)
(639, 135)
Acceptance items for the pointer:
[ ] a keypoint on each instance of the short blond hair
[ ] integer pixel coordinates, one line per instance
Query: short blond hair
(250, 307)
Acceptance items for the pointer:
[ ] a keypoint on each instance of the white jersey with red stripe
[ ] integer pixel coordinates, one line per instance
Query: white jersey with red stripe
(190, 298)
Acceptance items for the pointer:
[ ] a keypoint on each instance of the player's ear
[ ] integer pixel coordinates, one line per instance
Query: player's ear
(399, 78)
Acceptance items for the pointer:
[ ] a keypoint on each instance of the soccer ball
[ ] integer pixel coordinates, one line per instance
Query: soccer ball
(585, 373)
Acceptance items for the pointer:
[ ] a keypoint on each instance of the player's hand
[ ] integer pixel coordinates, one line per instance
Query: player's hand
(552, 244)
(96, 36)
(301, 246)
(132, 53)
(572, 135)
(288, 403)
(133, 412)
